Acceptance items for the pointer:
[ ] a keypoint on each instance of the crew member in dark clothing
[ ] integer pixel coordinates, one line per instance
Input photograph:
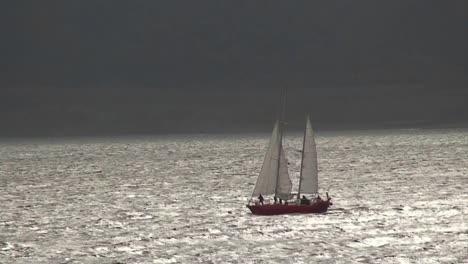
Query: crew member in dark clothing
(260, 198)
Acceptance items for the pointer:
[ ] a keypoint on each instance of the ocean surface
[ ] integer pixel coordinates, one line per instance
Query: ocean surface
(400, 196)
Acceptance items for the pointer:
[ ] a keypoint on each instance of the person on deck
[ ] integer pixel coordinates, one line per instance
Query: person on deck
(304, 200)
(276, 199)
(260, 198)
(318, 199)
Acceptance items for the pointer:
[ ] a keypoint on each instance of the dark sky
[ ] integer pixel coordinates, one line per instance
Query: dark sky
(122, 67)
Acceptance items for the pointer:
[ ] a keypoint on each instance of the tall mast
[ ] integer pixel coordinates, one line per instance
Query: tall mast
(302, 160)
(280, 128)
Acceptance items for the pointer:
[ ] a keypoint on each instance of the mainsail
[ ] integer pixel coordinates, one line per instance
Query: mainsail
(274, 179)
(284, 184)
(308, 182)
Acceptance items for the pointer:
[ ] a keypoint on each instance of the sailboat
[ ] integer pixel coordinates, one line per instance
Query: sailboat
(274, 177)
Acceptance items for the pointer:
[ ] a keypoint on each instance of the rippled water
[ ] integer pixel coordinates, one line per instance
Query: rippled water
(399, 197)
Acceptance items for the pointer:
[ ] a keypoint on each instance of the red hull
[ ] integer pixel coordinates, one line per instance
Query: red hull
(277, 209)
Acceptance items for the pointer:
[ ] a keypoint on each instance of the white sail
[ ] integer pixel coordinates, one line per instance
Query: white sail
(309, 170)
(284, 186)
(270, 181)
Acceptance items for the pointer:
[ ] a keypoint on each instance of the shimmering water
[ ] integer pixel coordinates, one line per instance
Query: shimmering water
(399, 197)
